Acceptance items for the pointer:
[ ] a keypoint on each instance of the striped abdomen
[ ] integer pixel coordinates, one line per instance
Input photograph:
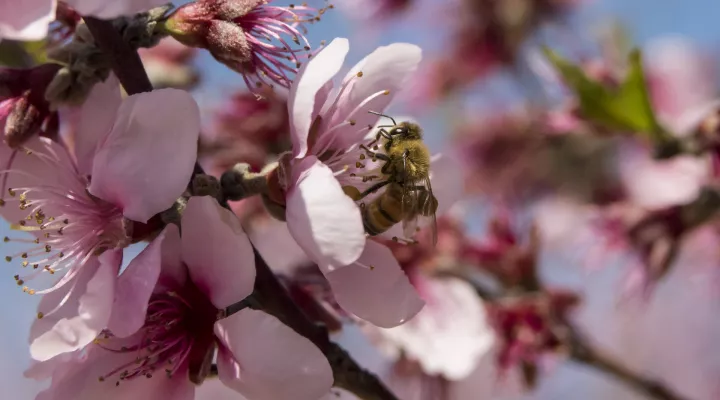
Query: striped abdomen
(383, 212)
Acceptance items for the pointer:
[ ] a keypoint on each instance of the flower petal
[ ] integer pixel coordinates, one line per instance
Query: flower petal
(173, 272)
(134, 288)
(388, 68)
(93, 313)
(375, 288)
(310, 79)
(217, 252)
(263, 359)
(80, 381)
(97, 117)
(324, 221)
(148, 158)
(25, 20)
(110, 9)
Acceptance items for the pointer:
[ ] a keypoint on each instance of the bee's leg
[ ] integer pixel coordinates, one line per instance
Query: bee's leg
(375, 155)
(372, 189)
(381, 133)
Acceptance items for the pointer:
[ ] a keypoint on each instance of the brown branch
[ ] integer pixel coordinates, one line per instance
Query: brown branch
(269, 292)
(582, 352)
(125, 60)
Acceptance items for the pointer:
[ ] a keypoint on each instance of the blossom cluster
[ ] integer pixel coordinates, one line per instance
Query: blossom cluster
(272, 222)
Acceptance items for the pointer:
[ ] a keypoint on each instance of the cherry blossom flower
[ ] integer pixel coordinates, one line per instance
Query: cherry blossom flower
(169, 320)
(29, 19)
(132, 159)
(237, 32)
(326, 132)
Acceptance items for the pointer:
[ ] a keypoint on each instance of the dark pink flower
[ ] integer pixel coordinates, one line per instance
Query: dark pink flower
(132, 159)
(167, 325)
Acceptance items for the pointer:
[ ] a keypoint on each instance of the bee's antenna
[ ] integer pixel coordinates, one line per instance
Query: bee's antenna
(383, 115)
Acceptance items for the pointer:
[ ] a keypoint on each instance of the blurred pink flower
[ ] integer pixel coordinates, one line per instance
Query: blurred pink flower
(448, 336)
(169, 64)
(132, 159)
(251, 37)
(29, 19)
(374, 9)
(327, 128)
(26, 20)
(24, 112)
(170, 321)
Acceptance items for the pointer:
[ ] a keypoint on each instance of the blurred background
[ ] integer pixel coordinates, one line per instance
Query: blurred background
(541, 187)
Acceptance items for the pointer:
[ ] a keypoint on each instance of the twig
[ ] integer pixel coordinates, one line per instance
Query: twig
(273, 297)
(582, 352)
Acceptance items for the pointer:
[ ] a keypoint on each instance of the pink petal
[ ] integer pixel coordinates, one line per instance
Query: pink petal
(147, 160)
(97, 117)
(217, 252)
(274, 235)
(26, 19)
(387, 68)
(309, 80)
(323, 220)
(173, 272)
(93, 313)
(80, 381)
(375, 288)
(134, 288)
(107, 9)
(263, 359)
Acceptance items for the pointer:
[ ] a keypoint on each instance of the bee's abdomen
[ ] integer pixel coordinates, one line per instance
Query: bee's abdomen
(381, 214)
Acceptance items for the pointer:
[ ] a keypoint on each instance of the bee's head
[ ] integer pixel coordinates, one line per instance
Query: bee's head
(407, 130)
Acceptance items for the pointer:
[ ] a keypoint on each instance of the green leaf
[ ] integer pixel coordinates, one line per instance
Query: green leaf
(626, 108)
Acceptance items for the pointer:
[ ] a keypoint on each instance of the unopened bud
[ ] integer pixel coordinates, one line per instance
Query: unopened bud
(22, 122)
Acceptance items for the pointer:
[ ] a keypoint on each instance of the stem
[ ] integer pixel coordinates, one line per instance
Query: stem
(582, 352)
(273, 297)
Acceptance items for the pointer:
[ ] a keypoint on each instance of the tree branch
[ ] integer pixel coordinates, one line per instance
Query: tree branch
(269, 292)
(582, 352)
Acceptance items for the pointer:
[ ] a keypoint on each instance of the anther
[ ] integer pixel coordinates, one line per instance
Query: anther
(47, 248)
(352, 122)
(359, 74)
(11, 191)
(23, 255)
(387, 92)
(362, 156)
(40, 315)
(25, 264)
(20, 282)
(6, 239)
(8, 258)
(2, 202)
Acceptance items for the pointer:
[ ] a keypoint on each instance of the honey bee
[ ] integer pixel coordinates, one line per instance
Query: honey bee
(408, 194)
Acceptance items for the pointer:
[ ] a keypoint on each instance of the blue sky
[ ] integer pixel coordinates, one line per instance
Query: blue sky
(647, 19)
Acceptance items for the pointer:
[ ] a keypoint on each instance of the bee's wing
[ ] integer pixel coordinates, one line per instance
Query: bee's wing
(421, 204)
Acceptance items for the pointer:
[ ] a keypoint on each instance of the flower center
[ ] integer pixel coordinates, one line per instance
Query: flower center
(178, 332)
(264, 28)
(68, 223)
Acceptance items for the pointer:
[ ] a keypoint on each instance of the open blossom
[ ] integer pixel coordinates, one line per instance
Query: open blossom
(24, 111)
(29, 19)
(251, 37)
(167, 326)
(326, 132)
(132, 159)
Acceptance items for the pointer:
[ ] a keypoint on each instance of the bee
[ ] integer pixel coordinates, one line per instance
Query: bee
(408, 194)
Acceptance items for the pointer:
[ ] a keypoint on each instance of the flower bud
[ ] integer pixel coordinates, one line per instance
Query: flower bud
(249, 36)
(23, 107)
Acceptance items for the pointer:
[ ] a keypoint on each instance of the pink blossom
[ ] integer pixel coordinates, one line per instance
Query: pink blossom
(132, 159)
(448, 336)
(327, 128)
(169, 319)
(29, 19)
(251, 37)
